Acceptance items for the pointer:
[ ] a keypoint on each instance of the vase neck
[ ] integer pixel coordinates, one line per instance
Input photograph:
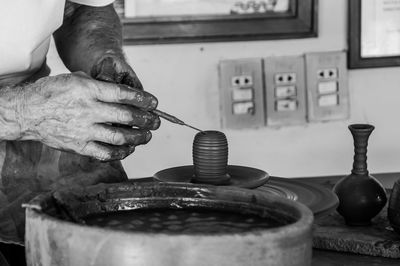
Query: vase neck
(360, 134)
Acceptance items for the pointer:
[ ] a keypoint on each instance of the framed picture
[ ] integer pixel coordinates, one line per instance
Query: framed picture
(374, 33)
(183, 21)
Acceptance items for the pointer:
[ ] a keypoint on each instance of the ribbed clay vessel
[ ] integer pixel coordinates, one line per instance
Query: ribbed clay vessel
(210, 158)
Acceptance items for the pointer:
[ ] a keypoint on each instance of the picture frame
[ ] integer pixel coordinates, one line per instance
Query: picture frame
(300, 21)
(369, 45)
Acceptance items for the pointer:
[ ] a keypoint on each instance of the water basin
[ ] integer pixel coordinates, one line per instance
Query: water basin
(166, 224)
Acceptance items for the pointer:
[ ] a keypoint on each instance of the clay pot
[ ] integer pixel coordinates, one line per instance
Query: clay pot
(210, 158)
(54, 235)
(361, 196)
(394, 207)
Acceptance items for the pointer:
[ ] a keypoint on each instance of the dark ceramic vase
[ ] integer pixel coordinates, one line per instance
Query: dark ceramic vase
(361, 196)
(394, 207)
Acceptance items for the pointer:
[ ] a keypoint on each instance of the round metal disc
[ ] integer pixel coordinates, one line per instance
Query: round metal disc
(241, 176)
(319, 199)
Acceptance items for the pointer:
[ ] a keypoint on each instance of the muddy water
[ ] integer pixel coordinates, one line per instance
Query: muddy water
(188, 221)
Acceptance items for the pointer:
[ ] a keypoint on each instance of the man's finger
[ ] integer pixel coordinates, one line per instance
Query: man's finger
(126, 115)
(106, 152)
(120, 136)
(119, 93)
(131, 80)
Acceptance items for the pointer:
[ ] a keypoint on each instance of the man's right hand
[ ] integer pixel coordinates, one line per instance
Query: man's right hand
(77, 113)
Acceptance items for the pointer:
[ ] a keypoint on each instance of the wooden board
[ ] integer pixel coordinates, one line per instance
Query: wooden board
(379, 239)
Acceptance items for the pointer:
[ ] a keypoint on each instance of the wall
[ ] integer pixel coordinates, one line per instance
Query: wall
(184, 77)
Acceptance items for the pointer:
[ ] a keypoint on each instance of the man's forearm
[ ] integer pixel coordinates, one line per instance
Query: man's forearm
(88, 34)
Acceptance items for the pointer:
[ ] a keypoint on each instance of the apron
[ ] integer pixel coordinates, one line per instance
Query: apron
(28, 168)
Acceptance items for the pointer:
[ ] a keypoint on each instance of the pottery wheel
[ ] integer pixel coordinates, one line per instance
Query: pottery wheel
(319, 199)
(241, 176)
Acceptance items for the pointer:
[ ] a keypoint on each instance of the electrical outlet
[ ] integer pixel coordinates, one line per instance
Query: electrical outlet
(285, 90)
(242, 81)
(241, 93)
(285, 78)
(328, 94)
(327, 73)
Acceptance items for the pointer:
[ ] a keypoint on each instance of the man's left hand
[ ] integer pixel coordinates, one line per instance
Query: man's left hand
(115, 69)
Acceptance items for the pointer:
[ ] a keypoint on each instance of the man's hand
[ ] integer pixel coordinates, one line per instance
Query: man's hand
(76, 113)
(115, 69)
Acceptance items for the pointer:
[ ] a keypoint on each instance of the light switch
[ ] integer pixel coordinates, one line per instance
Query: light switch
(242, 94)
(327, 87)
(285, 91)
(243, 108)
(286, 105)
(328, 100)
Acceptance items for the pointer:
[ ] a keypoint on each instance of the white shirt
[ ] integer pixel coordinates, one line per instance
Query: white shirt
(28, 167)
(26, 27)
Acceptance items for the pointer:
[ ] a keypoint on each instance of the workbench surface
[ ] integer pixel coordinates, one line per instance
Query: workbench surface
(332, 258)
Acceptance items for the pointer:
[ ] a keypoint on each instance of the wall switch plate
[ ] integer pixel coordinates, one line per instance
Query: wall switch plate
(285, 90)
(241, 93)
(327, 85)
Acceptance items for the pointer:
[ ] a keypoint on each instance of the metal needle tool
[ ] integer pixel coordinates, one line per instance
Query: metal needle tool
(173, 119)
(104, 77)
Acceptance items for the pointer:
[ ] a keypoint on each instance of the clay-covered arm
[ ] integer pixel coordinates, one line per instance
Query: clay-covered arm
(90, 40)
(87, 35)
(74, 112)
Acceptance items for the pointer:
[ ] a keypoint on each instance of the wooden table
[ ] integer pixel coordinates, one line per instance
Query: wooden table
(332, 258)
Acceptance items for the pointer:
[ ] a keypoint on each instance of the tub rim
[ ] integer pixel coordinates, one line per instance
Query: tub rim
(34, 209)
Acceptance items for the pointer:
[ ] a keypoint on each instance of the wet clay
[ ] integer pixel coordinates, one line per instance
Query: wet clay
(189, 221)
(210, 158)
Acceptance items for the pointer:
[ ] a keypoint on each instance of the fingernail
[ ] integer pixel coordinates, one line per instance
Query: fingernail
(154, 103)
(148, 119)
(148, 136)
(157, 123)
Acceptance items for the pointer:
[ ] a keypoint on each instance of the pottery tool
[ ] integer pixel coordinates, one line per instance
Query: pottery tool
(173, 119)
(104, 76)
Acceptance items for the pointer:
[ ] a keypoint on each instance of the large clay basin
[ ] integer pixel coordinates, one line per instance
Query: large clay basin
(54, 235)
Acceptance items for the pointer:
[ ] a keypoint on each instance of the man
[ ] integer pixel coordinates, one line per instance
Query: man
(59, 131)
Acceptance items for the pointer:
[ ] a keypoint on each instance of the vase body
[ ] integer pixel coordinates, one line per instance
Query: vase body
(361, 196)
(394, 207)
